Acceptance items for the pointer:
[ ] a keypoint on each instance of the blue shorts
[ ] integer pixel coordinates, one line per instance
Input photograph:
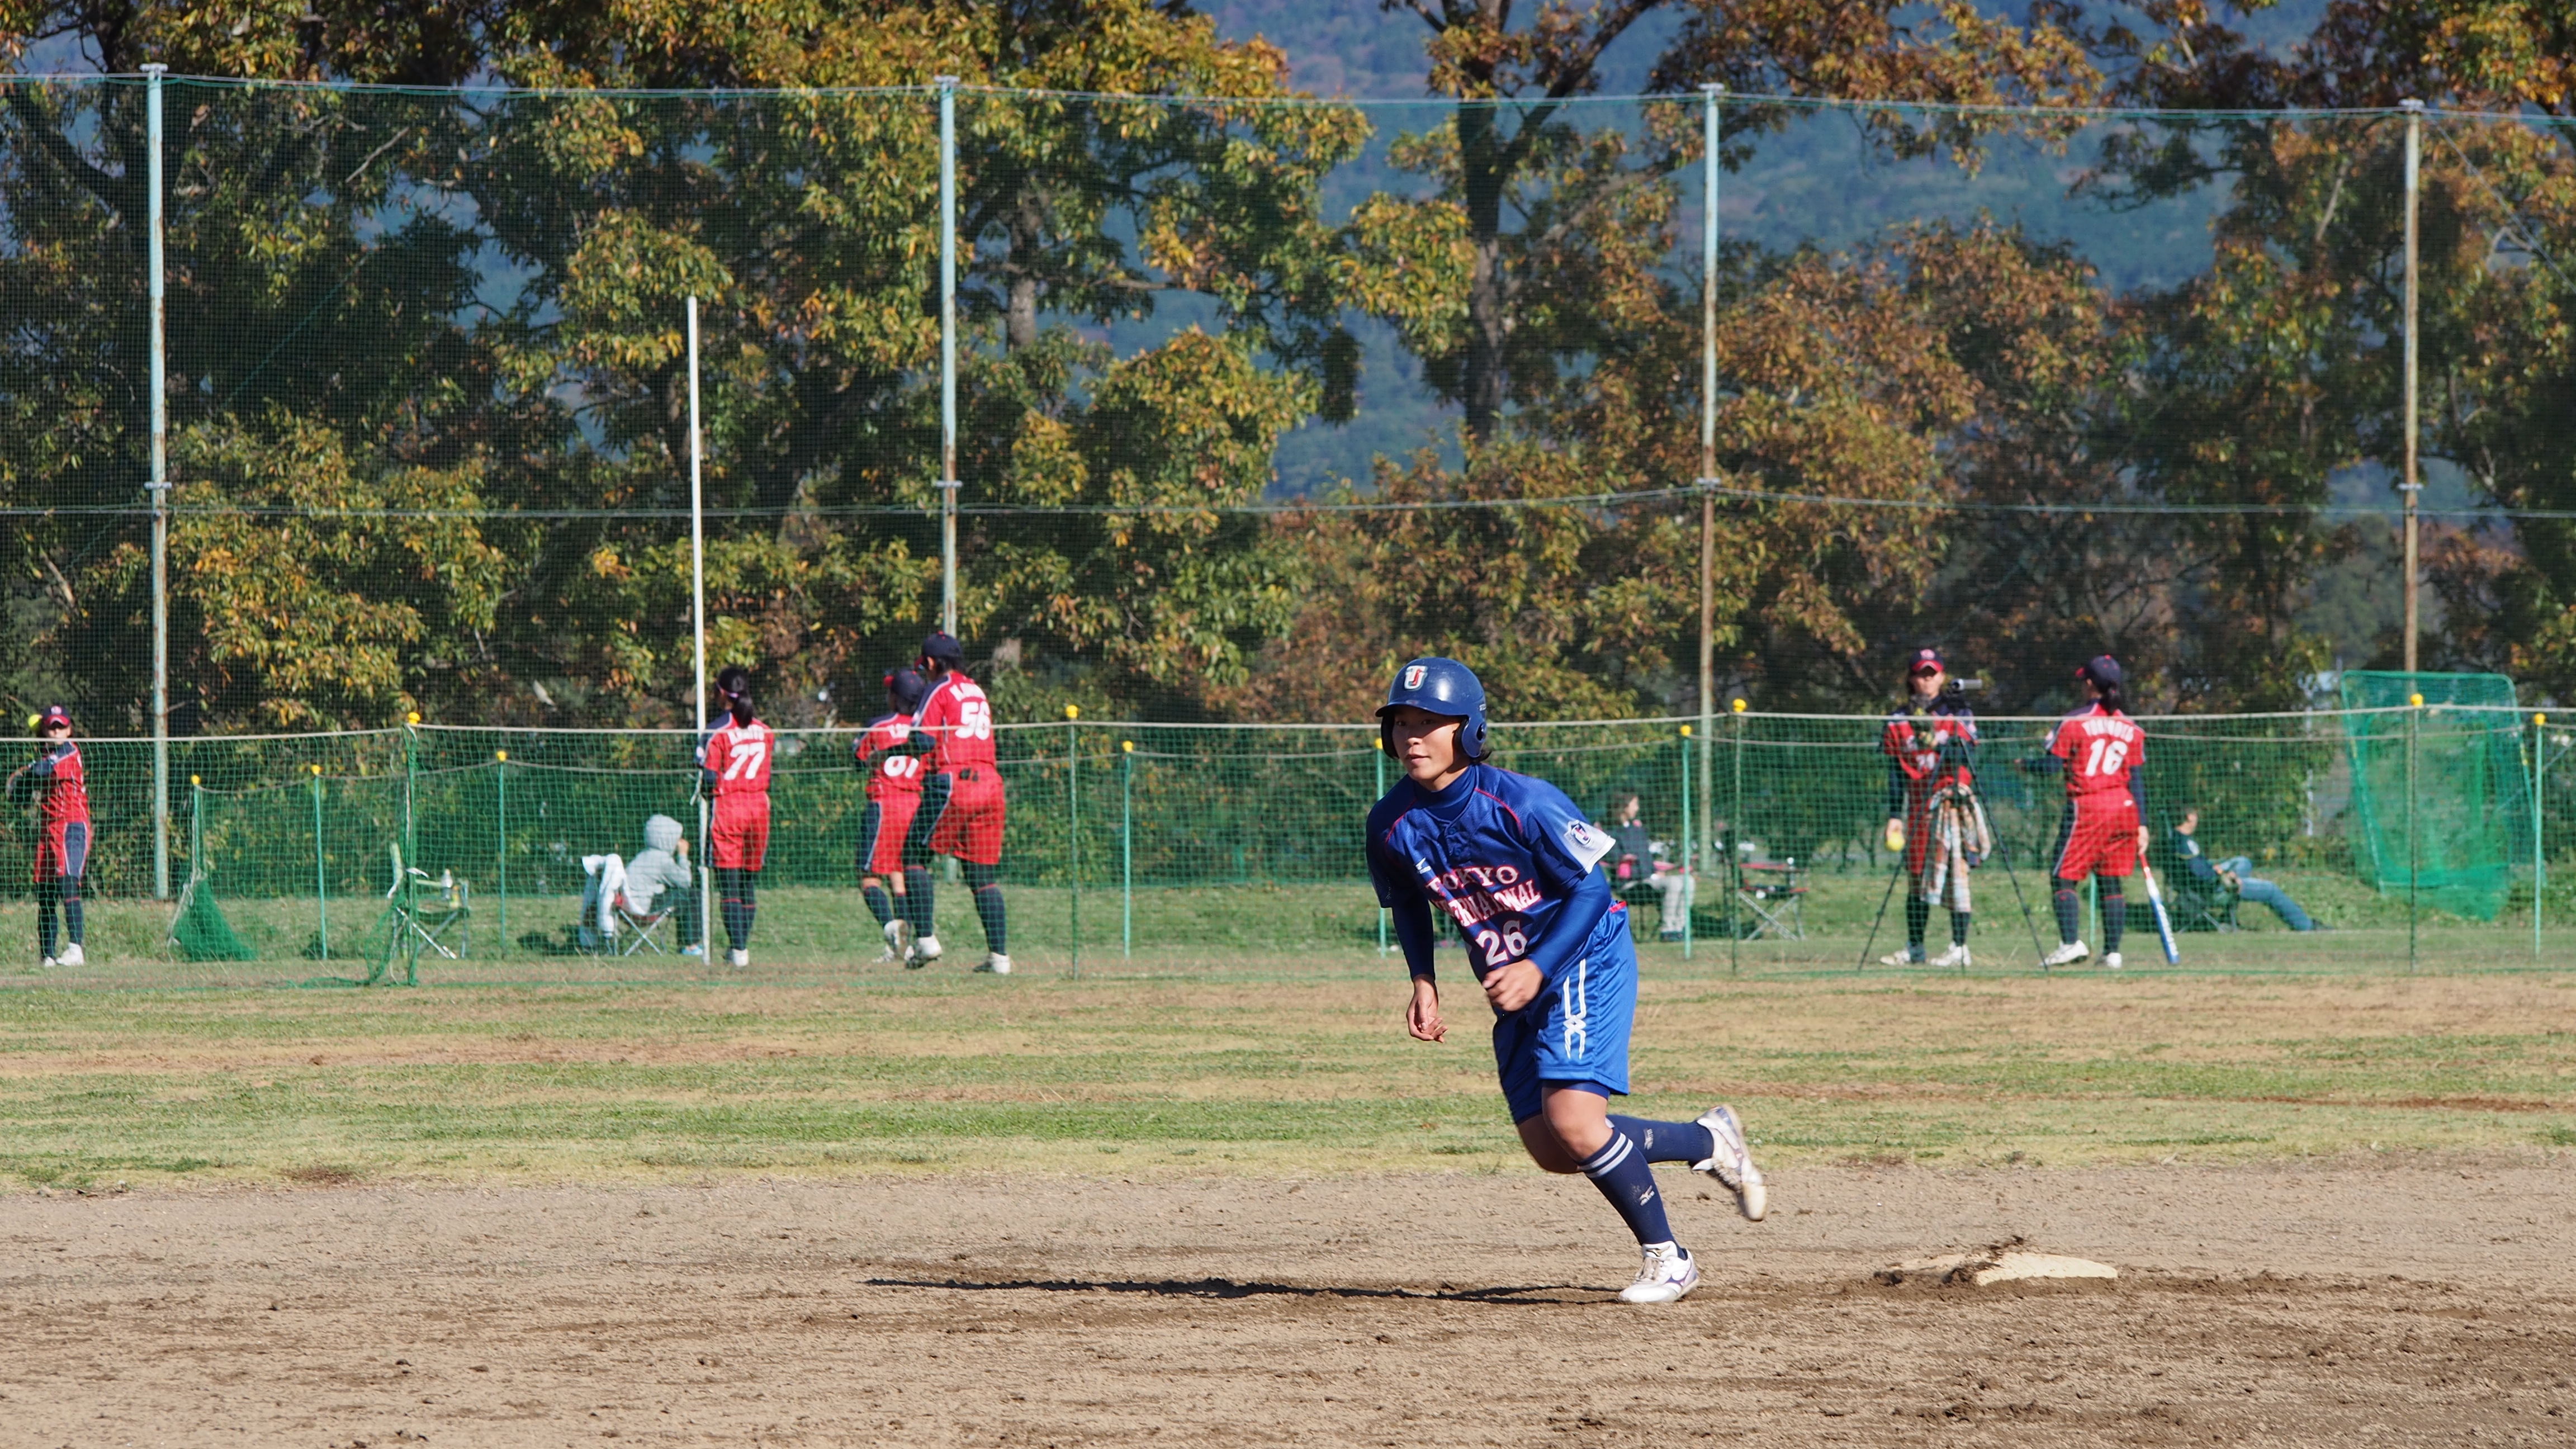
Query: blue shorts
(1576, 1033)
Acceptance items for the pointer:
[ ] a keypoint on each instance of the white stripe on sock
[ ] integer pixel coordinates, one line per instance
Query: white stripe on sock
(1611, 1156)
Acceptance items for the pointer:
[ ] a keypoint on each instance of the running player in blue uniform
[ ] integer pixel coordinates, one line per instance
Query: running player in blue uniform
(1512, 863)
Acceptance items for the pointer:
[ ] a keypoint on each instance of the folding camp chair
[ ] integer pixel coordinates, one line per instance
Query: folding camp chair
(2199, 906)
(429, 914)
(639, 932)
(1773, 893)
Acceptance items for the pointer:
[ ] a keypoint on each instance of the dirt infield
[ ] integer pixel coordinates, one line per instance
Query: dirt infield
(2364, 1301)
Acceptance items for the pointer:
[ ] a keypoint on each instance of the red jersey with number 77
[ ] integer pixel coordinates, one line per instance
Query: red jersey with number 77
(959, 720)
(739, 756)
(2101, 748)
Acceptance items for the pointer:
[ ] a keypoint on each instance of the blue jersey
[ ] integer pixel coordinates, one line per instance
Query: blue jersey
(1505, 856)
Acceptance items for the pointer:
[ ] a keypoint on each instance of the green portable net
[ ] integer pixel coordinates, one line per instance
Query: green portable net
(2441, 797)
(200, 932)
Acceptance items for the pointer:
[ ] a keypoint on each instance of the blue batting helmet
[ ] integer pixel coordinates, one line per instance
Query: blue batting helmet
(1440, 686)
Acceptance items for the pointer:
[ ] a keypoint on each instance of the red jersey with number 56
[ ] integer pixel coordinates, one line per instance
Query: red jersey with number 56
(739, 756)
(880, 753)
(959, 721)
(2102, 749)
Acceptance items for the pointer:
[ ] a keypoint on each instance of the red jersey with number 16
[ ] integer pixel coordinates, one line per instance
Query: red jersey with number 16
(2102, 750)
(739, 755)
(959, 721)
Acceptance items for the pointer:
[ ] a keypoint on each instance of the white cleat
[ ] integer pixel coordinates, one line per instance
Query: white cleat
(2110, 960)
(996, 964)
(72, 955)
(925, 949)
(737, 958)
(2067, 955)
(48, 964)
(1907, 957)
(1956, 956)
(1733, 1165)
(1669, 1275)
(898, 939)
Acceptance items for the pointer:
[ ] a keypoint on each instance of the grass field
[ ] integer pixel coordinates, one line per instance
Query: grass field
(1255, 1073)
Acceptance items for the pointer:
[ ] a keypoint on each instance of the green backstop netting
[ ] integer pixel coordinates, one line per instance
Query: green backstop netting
(2441, 799)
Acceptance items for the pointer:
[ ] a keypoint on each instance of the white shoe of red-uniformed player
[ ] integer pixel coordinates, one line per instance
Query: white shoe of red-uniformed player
(1733, 1165)
(898, 939)
(2067, 955)
(1907, 957)
(1956, 956)
(1669, 1273)
(995, 964)
(74, 956)
(925, 949)
(737, 958)
(2110, 960)
(48, 964)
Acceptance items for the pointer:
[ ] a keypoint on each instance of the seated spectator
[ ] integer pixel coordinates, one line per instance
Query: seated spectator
(663, 865)
(2234, 875)
(1639, 861)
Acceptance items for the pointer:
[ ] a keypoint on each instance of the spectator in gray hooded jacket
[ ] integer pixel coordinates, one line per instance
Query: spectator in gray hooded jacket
(663, 865)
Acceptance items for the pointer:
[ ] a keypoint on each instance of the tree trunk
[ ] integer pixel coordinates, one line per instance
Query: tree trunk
(1483, 167)
(1020, 314)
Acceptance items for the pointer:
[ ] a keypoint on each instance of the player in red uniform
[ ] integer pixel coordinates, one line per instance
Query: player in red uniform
(1930, 745)
(2103, 753)
(733, 768)
(961, 804)
(884, 755)
(62, 850)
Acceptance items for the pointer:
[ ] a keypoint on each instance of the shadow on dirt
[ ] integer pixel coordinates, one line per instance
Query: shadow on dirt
(1229, 1288)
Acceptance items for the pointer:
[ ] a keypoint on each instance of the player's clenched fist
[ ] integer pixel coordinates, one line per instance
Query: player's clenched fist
(1422, 1015)
(1512, 987)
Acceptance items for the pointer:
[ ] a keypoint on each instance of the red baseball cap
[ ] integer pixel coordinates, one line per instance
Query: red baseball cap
(1926, 660)
(54, 714)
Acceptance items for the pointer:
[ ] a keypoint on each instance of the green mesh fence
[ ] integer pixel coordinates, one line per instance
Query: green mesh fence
(1217, 848)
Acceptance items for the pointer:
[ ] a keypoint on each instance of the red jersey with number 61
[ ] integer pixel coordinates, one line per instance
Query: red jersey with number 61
(2102, 749)
(959, 721)
(739, 755)
(880, 753)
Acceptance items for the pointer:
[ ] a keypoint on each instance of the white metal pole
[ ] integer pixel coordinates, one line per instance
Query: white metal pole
(160, 489)
(948, 354)
(1708, 228)
(698, 618)
(2413, 484)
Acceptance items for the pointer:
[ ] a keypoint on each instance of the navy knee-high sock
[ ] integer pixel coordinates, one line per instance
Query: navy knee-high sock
(2061, 899)
(1958, 928)
(2115, 917)
(72, 918)
(1918, 913)
(917, 899)
(46, 895)
(880, 905)
(1620, 1170)
(997, 920)
(1668, 1141)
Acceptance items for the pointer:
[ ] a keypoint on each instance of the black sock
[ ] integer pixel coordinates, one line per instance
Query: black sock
(997, 927)
(2061, 899)
(2115, 918)
(917, 900)
(44, 922)
(1918, 914)
(737, 890)
(1958, 928)
(73, 918)
(1619, 1169)
(1668, 1141)
(880, 905)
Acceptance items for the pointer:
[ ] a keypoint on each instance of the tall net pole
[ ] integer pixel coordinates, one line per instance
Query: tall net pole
(698, 618)
(2413, 486)
(948, 354)
(160, 489)
(1707, 472)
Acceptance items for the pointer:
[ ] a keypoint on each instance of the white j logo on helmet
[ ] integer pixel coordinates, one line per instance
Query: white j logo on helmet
(1413, 675)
